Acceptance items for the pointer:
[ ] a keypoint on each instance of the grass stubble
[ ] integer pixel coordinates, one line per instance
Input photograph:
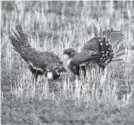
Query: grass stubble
(57, 31)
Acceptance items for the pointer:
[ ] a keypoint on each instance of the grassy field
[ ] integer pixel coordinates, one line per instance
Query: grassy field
(54, 26)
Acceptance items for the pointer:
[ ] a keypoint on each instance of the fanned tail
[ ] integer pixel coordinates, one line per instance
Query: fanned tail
(115, 38)
(106, 51)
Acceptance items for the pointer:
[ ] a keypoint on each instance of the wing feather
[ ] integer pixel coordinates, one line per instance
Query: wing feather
(91, 45)
(114, 37)
(22, 46)
(84, 56)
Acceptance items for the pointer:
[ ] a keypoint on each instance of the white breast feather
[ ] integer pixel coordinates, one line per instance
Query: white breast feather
(68, 62)
(49, 75)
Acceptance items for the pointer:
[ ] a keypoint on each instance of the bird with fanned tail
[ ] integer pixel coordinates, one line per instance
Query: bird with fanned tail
(39, 63)
(101, 50)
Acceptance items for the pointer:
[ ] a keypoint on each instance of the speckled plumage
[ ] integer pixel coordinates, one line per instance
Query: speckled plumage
(99, 49)
(39, 62)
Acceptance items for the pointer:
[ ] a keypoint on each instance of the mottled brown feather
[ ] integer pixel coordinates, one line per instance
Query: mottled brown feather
(35, 59)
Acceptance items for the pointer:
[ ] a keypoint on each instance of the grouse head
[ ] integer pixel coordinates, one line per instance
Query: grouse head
(54, 71)
(70, 52)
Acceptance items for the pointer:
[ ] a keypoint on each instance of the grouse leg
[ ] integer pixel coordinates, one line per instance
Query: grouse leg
(101, 69)
(83, 71)
(36, 77)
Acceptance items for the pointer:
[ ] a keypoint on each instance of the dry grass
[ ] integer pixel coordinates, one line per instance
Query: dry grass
(53, 28)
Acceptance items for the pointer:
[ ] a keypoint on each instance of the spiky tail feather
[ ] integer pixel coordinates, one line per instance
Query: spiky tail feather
(20, 42)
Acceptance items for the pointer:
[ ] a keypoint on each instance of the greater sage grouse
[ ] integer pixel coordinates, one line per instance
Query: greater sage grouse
(100, 50)
(76, 61)
(39, 63)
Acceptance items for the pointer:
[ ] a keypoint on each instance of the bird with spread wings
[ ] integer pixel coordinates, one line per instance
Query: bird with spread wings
(39, 63)
(101, 50)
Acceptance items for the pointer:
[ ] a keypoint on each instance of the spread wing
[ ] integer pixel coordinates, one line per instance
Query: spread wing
(91, 45)
(110, 40)
(36, 59)
(21, 44)
(53, 61)
(84, 56)
(51, 57)
(114, 36)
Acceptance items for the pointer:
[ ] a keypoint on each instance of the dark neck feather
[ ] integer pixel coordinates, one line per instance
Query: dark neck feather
(55, 75)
